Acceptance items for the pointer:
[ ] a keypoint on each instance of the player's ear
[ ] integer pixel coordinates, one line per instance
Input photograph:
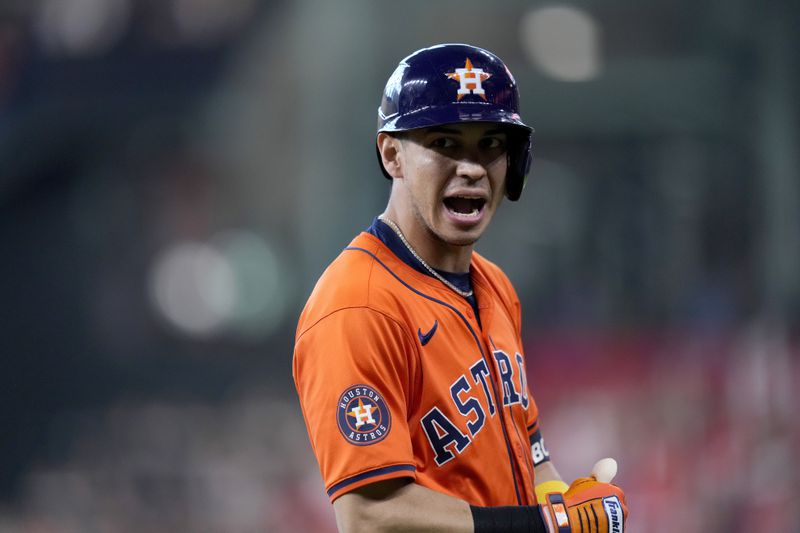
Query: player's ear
(389, 148)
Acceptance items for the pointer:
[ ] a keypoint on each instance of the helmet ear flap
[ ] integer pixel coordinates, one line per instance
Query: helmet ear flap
(520, 157)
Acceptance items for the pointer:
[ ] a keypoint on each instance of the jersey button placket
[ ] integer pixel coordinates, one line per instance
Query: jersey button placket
(507, 414)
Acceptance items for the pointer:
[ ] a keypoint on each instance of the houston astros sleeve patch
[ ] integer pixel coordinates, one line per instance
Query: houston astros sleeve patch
(362, 415)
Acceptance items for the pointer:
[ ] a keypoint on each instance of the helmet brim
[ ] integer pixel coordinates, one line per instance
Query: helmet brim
(453, 114)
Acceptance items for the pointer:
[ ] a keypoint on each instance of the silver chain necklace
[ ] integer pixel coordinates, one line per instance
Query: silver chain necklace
(433, 272)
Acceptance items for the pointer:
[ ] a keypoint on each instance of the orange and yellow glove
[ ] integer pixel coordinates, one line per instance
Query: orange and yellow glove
(588, 506)
(555, 485)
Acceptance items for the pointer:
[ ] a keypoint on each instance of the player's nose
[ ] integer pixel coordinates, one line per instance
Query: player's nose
(470, 168)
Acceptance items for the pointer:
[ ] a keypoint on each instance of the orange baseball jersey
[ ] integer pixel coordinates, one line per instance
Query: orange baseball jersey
(397, 377)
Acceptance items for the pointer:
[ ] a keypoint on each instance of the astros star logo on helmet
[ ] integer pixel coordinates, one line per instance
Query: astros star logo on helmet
(470, 79)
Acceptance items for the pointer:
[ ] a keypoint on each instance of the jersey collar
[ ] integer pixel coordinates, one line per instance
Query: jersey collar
(381, 230)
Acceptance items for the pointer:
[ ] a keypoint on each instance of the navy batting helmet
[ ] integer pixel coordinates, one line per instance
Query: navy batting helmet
(452, 83)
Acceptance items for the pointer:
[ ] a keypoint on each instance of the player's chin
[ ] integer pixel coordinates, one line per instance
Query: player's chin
(461, 240)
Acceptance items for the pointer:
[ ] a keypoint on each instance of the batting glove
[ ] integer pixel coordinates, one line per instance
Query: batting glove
(589, 506)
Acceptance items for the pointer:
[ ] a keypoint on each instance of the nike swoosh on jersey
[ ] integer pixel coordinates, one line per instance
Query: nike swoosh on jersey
(425, 338)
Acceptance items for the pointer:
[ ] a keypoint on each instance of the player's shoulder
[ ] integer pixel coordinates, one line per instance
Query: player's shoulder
(345, 282)
(491, 273)
(352, 281)
(486, 265)
(490, 270)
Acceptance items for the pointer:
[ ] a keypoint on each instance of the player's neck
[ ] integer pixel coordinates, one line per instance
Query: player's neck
(440, 255)
(435, 252)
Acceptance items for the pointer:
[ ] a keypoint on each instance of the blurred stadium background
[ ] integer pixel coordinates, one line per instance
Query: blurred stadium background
(175, 174)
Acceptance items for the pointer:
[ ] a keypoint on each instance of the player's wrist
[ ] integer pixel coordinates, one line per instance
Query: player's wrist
(554, 514)
(508, 519)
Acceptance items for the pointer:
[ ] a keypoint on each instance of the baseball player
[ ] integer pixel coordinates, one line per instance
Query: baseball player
(408, 359)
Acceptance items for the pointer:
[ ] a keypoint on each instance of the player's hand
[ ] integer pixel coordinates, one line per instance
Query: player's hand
(588, 506)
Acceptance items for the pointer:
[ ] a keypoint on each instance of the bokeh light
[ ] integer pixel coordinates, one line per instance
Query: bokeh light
(563, 42)
(264, 284)
(193, 286)
(81, 27)
(208, 21)
(234, 286)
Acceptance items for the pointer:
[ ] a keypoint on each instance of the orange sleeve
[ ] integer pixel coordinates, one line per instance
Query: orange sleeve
(354, 373)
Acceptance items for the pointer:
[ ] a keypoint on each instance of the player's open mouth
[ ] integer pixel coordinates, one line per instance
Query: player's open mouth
(466, 207)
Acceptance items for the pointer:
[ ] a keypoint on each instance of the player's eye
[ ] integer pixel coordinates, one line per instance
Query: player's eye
(442, 142)
(492, 143)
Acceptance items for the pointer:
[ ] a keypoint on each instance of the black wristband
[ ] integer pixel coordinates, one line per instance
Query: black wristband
(511, 519)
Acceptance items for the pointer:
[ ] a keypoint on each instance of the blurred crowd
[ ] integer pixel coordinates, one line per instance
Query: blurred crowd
(704, 426)
(174, 174)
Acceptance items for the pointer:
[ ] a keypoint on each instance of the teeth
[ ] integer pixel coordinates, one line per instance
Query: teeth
(475, 210)
(473, 213)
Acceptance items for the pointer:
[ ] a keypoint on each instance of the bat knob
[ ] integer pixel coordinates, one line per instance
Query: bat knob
(604, 470)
